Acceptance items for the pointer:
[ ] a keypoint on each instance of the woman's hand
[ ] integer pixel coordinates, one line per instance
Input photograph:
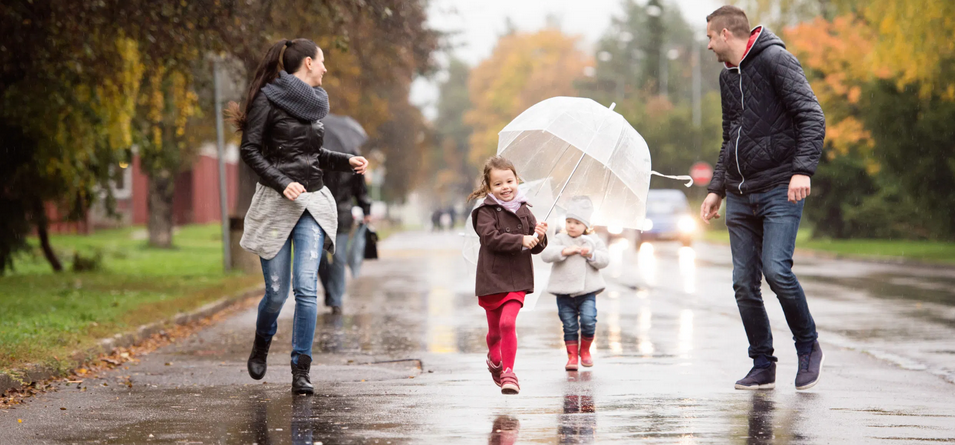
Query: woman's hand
(359, 163)
(541, 229)
(568, 251)
(529, 241)
(293, 190)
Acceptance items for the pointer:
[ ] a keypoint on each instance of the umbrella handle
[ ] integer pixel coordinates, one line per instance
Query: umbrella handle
(676, 177)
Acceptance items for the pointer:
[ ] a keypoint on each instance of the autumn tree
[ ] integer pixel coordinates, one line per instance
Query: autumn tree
(66, 112)
(452, 176)
(884, 82)
(522, 70)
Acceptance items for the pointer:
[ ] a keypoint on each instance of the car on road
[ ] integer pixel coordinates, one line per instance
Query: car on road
(668, 218)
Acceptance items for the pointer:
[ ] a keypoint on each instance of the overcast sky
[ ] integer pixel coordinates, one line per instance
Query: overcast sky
(479, 23)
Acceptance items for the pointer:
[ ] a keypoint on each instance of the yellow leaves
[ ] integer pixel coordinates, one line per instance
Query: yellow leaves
(522, 70)
(846, 134)
(916, 38)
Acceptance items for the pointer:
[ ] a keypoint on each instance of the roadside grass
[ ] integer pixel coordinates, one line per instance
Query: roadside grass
(47, 316)
(924, 251)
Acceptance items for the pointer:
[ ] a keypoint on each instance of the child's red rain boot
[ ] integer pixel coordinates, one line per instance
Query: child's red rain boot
(509, 383)
(585, 358)
(495, 370)
(571, 356)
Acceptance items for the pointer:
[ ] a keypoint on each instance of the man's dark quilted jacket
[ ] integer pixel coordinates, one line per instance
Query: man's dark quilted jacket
(773, 126)
(347, 187)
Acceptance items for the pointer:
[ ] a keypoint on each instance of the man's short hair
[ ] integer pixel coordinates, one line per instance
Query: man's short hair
(731, 18)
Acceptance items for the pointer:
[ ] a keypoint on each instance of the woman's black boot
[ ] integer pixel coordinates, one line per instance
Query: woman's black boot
(301, 384)
(257, 362)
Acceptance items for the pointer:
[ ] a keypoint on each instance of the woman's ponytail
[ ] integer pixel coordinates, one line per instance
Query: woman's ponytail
(267, 71)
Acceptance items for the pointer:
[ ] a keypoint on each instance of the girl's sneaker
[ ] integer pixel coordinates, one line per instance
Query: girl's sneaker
(495, 371)
(509, 383)
(585, 358)
(571, 356)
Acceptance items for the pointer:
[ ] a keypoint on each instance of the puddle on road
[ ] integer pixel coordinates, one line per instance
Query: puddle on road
(938, 290)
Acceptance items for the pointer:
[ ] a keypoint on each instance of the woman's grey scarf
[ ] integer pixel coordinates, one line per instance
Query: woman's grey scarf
(297, 98)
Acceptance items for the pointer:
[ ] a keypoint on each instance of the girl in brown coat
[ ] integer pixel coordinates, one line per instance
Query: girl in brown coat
(505, 272)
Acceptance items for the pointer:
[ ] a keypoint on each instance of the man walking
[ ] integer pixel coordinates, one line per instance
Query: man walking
(349, 190)
(773, 131)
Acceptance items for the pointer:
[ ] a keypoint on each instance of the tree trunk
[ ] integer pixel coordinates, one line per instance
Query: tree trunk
(247, 180)
(39, 218)
(162, 188)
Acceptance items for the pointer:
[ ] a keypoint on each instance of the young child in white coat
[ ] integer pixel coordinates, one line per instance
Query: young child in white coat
(575, 279)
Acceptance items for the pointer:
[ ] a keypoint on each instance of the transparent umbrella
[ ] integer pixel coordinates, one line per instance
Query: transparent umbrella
(584, 149)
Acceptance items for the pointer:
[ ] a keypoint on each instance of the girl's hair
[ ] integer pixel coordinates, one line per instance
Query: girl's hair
(495, 163)
(285, 55)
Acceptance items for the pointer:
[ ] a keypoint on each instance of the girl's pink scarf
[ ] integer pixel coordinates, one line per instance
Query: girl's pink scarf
(512, 205)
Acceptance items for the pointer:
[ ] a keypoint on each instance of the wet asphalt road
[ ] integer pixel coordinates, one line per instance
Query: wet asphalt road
(405, 364)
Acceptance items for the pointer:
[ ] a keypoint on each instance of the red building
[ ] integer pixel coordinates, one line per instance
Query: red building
(196, 199)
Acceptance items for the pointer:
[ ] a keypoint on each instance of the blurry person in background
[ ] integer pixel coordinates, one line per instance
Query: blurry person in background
(349, 191)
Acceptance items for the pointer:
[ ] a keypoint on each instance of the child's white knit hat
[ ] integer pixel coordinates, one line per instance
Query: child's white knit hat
(581, 209)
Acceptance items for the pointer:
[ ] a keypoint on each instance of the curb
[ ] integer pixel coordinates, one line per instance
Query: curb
(34, 373)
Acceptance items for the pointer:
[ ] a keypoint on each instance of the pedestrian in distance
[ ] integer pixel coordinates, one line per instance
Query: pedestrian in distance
(575, 279)
(773, 131)
(282, 142)
(349, 190)
(509, 235)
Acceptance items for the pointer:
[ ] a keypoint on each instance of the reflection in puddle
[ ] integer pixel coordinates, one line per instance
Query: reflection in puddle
(441, 335)
(761, 419)
(613, 322)
(578, 422)
(617, 250)
(688, 269)
(644, 345)
(685, 336)
(647, 264)
(504, 431)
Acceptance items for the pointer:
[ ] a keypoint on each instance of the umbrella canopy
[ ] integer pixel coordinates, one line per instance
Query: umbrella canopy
(343, 134)
(585, 149)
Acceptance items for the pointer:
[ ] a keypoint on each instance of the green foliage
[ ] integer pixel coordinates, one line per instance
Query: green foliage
(48, 314)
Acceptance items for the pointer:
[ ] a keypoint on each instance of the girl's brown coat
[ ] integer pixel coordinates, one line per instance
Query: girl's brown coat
(503, 265)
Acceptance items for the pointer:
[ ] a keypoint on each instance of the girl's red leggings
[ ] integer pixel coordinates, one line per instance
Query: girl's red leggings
(501, 333)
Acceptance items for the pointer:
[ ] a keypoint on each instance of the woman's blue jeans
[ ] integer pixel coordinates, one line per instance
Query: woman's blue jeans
(582, 306)
(295, 266)
(762, 228)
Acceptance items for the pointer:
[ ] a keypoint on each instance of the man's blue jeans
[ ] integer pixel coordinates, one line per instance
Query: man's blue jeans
(762, 228)
(332, 272)
(301, 272)
(582, 306)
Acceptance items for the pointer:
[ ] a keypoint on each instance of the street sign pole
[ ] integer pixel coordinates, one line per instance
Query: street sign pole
(220, 149)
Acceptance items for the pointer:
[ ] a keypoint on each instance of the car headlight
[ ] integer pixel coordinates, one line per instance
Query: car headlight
(614, 230)
(647, 225)
(686, 224)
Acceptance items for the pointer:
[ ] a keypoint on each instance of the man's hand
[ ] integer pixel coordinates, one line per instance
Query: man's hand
(293, 190)
(540, 229)
(529, 241)
(359, 163)
(798, 188)
(711, 207)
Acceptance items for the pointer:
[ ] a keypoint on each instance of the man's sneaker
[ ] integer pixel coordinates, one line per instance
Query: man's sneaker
(509, 383)
(759, 378)
(810, 368)
(495, 371)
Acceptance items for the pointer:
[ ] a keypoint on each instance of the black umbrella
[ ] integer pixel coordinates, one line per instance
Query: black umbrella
(343, 134)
